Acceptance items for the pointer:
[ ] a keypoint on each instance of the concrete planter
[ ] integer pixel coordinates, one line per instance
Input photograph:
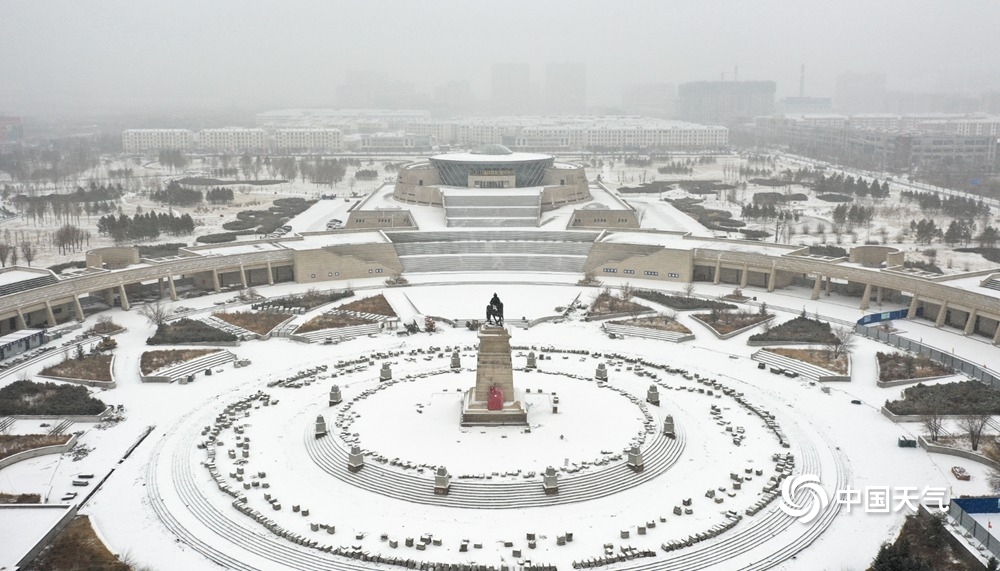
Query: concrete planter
(732, 333)
(36, 452)
(200, 344)
(75, 418)
(619, 315)
(87, 382)
(808, 369)
(781, 343)
(967, 454)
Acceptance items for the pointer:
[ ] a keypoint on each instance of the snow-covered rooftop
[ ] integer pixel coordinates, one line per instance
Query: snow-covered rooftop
(22, 527)
(477, 158)
(15, 275)
(238, 248)
(315, 241)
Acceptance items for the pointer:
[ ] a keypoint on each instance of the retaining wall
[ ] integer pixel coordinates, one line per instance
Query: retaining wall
(36, 452)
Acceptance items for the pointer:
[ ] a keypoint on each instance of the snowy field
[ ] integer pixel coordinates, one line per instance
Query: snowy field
(161, 504)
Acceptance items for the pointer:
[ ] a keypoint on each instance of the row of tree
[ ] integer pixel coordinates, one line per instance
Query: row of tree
(177, 195)
(855, 214)
(15, 252)
(838, 183)
(675, 167)
(69, 238)
(175, 159)
(957, 206)
(144, 226)
(219, 195)
(760, 211)
(54, 162)
(66, 207)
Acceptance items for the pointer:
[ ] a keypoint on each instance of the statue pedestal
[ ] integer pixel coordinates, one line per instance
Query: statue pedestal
(493, 371)
(476, 413)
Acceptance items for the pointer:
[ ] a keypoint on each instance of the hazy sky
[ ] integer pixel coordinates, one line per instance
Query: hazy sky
(80, 55)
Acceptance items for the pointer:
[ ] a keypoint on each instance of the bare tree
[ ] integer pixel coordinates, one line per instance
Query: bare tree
(156, 313)
(28, 251)
(689, 289)
(974, 425)
(627, 292)
(14, 256)
(4, 253)
(933, 424)
(844, 343)
(993, 480)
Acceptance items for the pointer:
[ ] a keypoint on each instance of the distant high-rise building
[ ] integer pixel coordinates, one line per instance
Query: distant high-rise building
(990, 102)
(794, 105)
(510, 89)
(650, 100)
(860, 93)
(724, 102)
(566, 88)
(11, 130)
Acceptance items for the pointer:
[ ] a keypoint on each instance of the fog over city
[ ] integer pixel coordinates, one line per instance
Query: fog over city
(65, 56)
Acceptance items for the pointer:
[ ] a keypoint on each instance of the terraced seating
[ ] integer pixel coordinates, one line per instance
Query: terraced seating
(493, 212)
(339, 333)
(491, 209)
(5, 423)
(804, 369)
(61, 427)
(658, 457)
(992, 284)
(466, 248)
(493, 251)
(404, 236)
(492, 222)
(493, 263)
(181, 371)
(491, 199)
(648, 333)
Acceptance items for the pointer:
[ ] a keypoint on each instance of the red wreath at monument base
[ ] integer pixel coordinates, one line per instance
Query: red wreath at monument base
(495, 400)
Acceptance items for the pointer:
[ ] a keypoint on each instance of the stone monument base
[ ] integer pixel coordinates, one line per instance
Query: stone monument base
(475, 413)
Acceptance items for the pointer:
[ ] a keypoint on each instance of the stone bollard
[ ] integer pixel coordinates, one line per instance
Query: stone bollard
(550, 481)
(355, 460)
(555, 405)
(442, 481)
(532, 364)
(635, 459)
(386, 373)
(653, 395)
(602, 372)
(668, 427)
(335, 397)
(320, 426)
(456, 361)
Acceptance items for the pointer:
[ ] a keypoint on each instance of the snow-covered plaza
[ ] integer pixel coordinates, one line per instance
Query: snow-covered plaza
(201, 498)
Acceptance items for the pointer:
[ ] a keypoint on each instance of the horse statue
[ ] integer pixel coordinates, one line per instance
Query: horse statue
(494, 315)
